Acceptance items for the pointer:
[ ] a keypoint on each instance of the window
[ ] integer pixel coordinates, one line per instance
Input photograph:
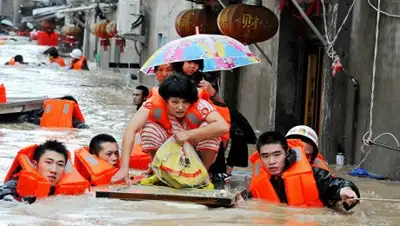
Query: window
(162, 40)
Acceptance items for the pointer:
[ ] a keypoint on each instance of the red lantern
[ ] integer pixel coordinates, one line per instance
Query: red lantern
(111, 29)
(101, 29)
(248, 23)
(70, 30)
(188, 20)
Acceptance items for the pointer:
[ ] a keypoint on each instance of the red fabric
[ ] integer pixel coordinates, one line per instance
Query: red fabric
(47, 39)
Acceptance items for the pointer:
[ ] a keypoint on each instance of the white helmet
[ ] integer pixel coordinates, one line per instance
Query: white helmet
(303, 131)
(76, 53)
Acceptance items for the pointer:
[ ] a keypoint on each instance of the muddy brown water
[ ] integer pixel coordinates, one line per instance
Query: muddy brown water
(106, 101)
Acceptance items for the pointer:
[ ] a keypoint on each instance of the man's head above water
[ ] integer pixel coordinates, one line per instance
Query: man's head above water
(140, 95)
(50, 159)
(19, 59)
(273, 148)
(105, 147)
(180, 93)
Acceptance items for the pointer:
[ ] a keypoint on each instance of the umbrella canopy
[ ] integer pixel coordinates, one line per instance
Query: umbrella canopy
(218, 52)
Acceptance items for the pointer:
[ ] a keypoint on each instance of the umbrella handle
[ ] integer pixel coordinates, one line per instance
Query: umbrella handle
(197, 30)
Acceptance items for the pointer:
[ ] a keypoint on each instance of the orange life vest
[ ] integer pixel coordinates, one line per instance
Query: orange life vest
(78, 65)
(31, 183)
(300, 185)
(94, 169)
(11, 62)
(139, 160)
(223, 111)
(59, 60)
(319, 161)
(158, 114)
(3, 96)
(60, 113)
(47, 39)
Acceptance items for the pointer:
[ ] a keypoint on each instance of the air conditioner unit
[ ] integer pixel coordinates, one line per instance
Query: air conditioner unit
(130, 19)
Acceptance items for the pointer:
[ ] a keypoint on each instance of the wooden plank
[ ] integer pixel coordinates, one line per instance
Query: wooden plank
(21, 104)
(215, 198)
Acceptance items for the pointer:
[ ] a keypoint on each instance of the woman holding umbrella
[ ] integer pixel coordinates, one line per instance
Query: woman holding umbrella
(197, 54)
(241, 133)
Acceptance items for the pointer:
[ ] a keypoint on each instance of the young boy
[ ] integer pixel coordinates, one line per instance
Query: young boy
(40, 171)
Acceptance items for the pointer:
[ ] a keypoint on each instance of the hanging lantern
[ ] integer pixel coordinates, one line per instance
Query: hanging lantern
(248, 23)
(121, 43)
(70, 30)
(111, 29)
(101, 31)
(187, 20)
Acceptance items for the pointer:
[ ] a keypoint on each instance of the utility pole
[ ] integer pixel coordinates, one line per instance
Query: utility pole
(16, 15)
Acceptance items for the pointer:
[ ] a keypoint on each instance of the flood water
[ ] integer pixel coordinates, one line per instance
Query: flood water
(106, 102)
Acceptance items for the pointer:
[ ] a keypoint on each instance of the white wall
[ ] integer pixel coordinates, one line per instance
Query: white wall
(161, 18)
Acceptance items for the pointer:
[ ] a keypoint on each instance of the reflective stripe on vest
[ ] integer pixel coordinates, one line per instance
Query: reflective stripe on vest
(157, 113)
(193, 119)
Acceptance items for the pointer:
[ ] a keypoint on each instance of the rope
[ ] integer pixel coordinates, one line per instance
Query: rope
(329, 48)
(368, 135)
(378, 199)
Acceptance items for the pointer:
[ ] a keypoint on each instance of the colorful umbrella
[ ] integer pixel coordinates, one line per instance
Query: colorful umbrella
(218, 52)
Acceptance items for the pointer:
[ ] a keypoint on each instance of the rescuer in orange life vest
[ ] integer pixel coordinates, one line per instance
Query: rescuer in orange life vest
(42, 170)
(79, 62)
(55, 116)
(285, 176)
(18, 59)
(100, 161)
(309, 140)
(178, 112)
(55, 58)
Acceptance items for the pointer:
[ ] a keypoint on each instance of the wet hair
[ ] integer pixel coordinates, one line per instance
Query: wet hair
(95, 145)
(144, 89)
(50, 145)
(157, 67)
(178, 66)
(19, 59)
(53, 52)
(47, 52)
(271, 137)
(178, 86)
(71, 98)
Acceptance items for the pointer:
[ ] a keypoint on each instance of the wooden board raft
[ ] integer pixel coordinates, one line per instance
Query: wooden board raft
(214, 198)
(21, 104)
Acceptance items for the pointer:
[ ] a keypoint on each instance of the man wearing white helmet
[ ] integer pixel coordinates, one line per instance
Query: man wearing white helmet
(79, 61)
(309, 142)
